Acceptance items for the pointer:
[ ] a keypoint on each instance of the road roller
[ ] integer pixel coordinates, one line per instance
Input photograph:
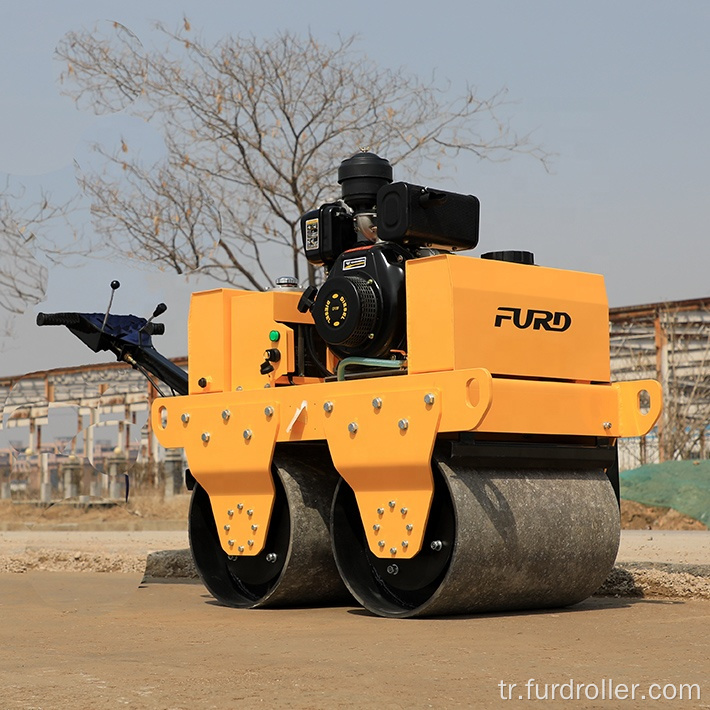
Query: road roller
(433, 432)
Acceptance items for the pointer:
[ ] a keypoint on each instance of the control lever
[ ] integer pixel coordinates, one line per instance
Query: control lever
(114, 286)
(158, 328)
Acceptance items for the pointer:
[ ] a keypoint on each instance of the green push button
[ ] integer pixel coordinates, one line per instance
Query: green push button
(274, 336)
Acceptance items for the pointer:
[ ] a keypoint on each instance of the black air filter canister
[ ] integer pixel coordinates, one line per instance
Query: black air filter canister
(361, 176)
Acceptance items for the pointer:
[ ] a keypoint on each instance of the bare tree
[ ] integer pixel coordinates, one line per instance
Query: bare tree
(29, 225)
(255, 130)
(22, 278)
(23, 234)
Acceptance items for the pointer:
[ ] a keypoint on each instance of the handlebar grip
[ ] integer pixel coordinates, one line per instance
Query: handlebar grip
(67, 319)
(157, 329)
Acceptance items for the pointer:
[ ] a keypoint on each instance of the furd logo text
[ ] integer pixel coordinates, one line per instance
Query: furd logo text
(533, 318)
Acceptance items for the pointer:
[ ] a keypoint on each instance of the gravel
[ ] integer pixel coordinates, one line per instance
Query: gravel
(665, 564)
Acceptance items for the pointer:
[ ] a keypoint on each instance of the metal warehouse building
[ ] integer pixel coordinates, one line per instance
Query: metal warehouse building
(669, 342)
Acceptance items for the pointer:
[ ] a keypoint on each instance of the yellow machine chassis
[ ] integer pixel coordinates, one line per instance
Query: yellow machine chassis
(381, 431)
(383, 452)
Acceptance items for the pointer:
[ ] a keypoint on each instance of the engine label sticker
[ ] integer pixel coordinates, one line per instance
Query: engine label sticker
(312, 234)
(336, 310)
(356, 263)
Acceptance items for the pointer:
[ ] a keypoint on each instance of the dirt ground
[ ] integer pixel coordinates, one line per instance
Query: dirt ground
(144, 509)
(81, 639)
(123, 538)
(636, 516)
(169, 646)
(138, 513)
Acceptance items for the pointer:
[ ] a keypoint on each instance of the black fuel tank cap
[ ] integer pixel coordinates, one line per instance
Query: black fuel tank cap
(516, 257)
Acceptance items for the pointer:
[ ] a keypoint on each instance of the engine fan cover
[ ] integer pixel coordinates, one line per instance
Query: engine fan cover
(360, 310)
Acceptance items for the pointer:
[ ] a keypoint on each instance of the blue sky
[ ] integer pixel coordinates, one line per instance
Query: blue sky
(619, 91)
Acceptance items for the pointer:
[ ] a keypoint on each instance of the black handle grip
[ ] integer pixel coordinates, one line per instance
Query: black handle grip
(155, 328)
(67, 319)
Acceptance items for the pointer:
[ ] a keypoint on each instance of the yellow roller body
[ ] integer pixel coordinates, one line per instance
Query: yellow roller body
(492, 347)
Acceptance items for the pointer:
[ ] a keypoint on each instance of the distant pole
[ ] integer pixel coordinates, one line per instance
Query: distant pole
(5, 490)
(46, 485)
(174, 472)
(661, 339)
